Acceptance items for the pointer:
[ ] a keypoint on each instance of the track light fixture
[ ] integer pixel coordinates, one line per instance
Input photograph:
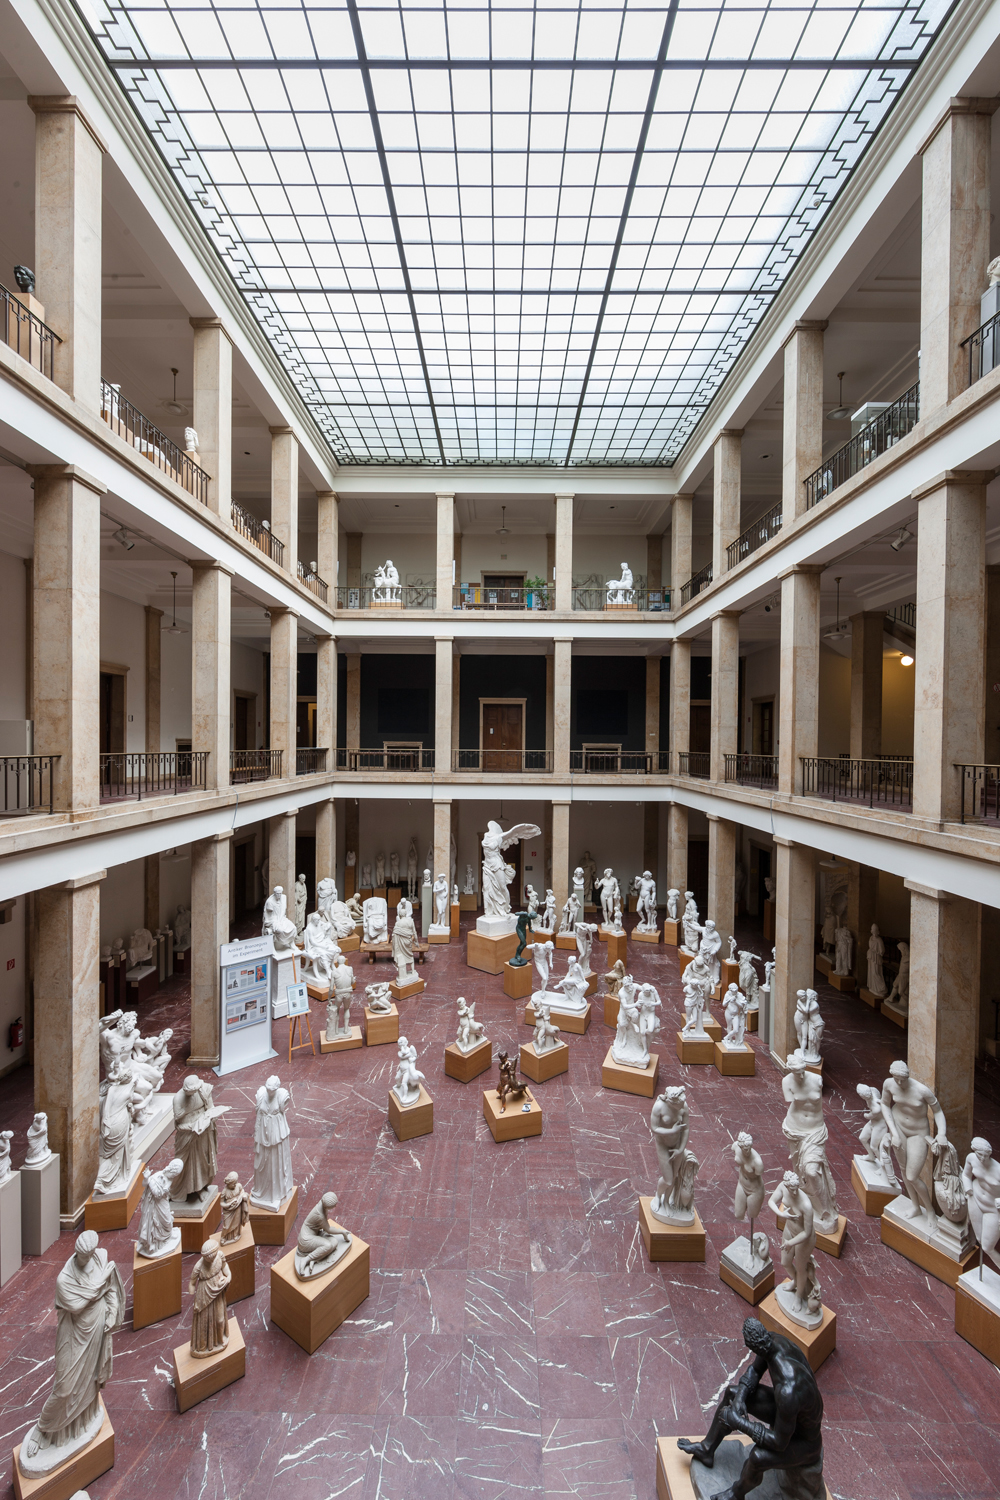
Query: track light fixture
(121, 536)
(902, 539)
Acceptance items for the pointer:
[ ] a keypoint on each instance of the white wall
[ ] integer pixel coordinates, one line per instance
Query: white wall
(612, 831)
(123, 642)
(13, 603)
(247, 674)
(175, 689)
(123, 896)
(523, 554)
(760, 681)
(603, 555)
(834, 702)
(415, 555)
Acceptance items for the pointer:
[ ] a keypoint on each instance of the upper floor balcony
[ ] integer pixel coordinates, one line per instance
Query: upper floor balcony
(872, 438)
(139, 432)
(24, 331)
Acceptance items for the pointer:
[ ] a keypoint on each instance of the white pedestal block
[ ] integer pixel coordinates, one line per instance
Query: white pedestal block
(39, 1206)
(10, 1227)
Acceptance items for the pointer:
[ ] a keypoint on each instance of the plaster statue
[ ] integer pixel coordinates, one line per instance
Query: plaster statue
(147, 1065)
(696, 982)
(366, 877)
(809, 1025)
(645, 904)
(589, 868)
(157, 1235)
(385, 584)
(805, 1131)
(610, 894)
(338, 1005)
(141, 948)
(749, 982)
(876, 953)
(470, 881)
(6, 1136)
(905, 1103)
(404, 942)
(452, 860)
(614, 977)
(196, 1140)
(670, 1124)
(578, 880)
(875, 1134)
(209, 1319)
(496, 897)
(320, 947)
(673, 900)
(617, 927)
(735, 1013)
(546, 1037)
(549, 914)
(470, 1031)
(342, 916)
(408, 1076)
(769, 887)
(277, 924)
(799, 1296)
(411, 870)
(117, 1035)
(38, 1141)
(900, 992)
(272, 1151)
(235, 1205)
(320, 1245)
(190, 446)
(454, 895)
(836, 905)
(356, 911)
(843, 943)
(769, 967)
(114, 1145)
(531, 902)
(690, 924)
(585, 934)
(542, 955)
(574, 987)
(753, 1250)
(570, 912)
(953, 1227)
(649, 1003)
(992, 271)
(620, 590)
(981, 1184)
(376, 920)
(182, 928)
(350, 859)
(301, 897)
(709, 949)
(378, 999)
(394, 868)
(379, 870)
(90, 1307)
(783, 1423)
(629, 1047)
(441, 921)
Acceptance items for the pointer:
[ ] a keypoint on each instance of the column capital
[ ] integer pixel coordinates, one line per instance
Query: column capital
(281, 431)
(292, 813)
(927, 890)
(80, 881)
(209, 565)
(444, 494)
(66, 471)
(217, 838)
(957, 106)
(280, 609)
(203, 325)
(735, 432)
(66, 104)
(805, 325)
(564, 494)
(726, 614)
(952, 476)
(442, 638)
(328, 495)
(803, 568)
(786, 843)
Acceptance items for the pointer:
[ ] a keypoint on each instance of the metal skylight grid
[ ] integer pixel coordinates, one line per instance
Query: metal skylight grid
(505, 232)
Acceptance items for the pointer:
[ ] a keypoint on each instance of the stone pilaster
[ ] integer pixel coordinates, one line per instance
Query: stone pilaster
(866, 684)
(326, 697)
(802, 432)
(211, 599)
(677, 847)
(562, 672)
(680, 702)
(326, 841)
(798, 705)
(281, 854)
(284, 685)
(445, 548)
(151, 891)
(722, 876)
(209, 930)
(353, 709)
(153, 638)
(726, 496)
(328, 541)
(794, 938)
(653, 664)
(681, 521)
(560, 854)
(861, 913)
(285, 494)
(564, 554)
(725, 709)
(444, 647)
(213, 410)
(442, 841)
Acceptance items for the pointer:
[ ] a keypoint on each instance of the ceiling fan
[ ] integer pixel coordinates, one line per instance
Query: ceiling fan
(840, 412)
(173, 628)
(180, 407)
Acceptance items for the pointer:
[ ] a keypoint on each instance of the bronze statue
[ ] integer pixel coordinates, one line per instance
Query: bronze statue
(523, 918)
(509, 1086)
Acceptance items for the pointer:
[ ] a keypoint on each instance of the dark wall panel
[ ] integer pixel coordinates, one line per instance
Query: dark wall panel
(502, 677)
(609, 691)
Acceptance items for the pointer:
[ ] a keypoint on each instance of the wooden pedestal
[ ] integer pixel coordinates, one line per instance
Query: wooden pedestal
(468, 901)
(673, 1467)
(645, 937)
(342, 1043)
(683, 959)
(976, 1322)
(729, 973)
(894, 1014)
(549, 1064)
(456, 918)
(713, 1028)
(671, 932)
(407, 991)
(197, 1379)
(514, 1124)
(745, 1287)
(102, 1214)
(617, 947)
(641, 1081)
(753, 1020)
(440, 937)
(695, 1052)
(816, 1344)
(411, 1120)
(272, 1227)
(465, 1066)
(670, 1241)
(381, 1028)
(742, 1064)
(928, 1257)
(566, 941)
(872, 1199)
(156, 1288)
(489, 954)
(518, 980)
(377, 950)
(241, 1258)
(874, 1001)
(83, 1468)
(611, 1004)
(319, 992)
(349, 944)
(309, 1311)
(823, 965)
(575, 1024)
(195, 1231)
(846, 983)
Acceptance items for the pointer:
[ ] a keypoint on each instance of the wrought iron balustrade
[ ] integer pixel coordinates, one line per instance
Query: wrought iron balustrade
(984, 349)
(501, 761)
(386, 758)
(595, 597)
(756, 534)
(309, 760)
(694, 585)
(25, 333)
(139, 432)
(259, 533)
(253, 765)
(27, 784)
(903, 614)
(877, 437)
(313, 582)
(152, 773)
(404, 596)
(663, 761)
(695, 763)
(980, 793)
(484, 596)
(611, 762)
(882, 780)
(752, 770)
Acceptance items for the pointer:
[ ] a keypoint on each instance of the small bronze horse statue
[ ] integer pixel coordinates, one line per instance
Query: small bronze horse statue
(509, 1086)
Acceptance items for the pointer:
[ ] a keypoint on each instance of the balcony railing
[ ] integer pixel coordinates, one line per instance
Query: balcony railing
(153, 773)
(752, 770)
(694, 586)
(27, 335)
(259, 533)
(501, 761)
(27, 784)
(980, 793)
(756, 534)
(309, 760)
(984, 349)
(481, 596)
(611, 762)
(695, 763)
(138, 431)
(391, 758)
(313, 582)
(903, 614)
(889, 427)
(885, 780)
(595, 597)
(253, 765)
(405, 596)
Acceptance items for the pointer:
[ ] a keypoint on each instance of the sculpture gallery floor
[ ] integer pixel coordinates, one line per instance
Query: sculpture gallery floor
(516, 1340)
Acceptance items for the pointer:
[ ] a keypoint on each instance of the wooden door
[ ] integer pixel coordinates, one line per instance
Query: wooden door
(701, 728)
(502, 736)
(112, 712)
(241, 721)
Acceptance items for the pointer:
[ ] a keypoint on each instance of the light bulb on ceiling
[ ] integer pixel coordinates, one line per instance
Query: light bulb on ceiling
(906, 661)
(503, 522)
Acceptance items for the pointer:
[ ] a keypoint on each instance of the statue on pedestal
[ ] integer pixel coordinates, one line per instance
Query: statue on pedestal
(272, 1152)
(209, 1320)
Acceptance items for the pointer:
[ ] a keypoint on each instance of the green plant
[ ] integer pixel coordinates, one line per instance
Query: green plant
(535, 583)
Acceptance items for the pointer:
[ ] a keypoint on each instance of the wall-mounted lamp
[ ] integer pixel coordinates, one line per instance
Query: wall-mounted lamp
(902, 539)
(906, 661)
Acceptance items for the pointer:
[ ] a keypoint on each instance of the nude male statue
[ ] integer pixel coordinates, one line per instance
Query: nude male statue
(905, 1103)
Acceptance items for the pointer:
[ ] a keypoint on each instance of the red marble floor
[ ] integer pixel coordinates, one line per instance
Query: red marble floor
(516, 1340)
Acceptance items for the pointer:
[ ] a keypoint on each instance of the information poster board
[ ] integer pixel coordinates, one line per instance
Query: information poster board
(245, 1000)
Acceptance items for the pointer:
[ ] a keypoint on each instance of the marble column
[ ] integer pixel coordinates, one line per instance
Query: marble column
(794, 938)
(213, 410)
(281, 854)
(68, 209)
(991, 727)
(560, 854)
(726, 498)
(564, 555)
(798, 676)
(562, 690)
(861, 912)
(680, 702)
(285, 495)
(550, 706)
(209, 930)
(949, 708)
(211, 598)
(326, 697)
(444, 647)
(153, 637)
(866, 684)
(445, 549)
(725, 708)
(442, 842)
(66, 631)
(284, 685)
(944, 1001)
(653, 664)
(802, 430)
(328, 541)
(680, 548)
(353, 708)
(151, 892)
(954, 244)
(651, 841)
(326, 841)
(722, 876)
(677, 847)
(67, 997)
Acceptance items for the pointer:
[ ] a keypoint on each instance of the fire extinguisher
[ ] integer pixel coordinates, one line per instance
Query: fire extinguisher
(16, 1034)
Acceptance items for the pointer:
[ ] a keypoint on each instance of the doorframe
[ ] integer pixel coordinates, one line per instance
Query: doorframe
(116, 669)
(248, 697)
(491, 701)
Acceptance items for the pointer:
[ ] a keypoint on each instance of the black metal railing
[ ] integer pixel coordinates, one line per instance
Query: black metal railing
(410, 596)
(611, 762)
(309, 760)
(903, 614)
(984, 349)
(253, 765)
(386, 758)
(152, 773)
(695, 763)
(879, 435)
(27, 783)
(595, 597)
(752, 770)
(663, 761)
(313, 582)
(27, 335)
(884, 780)
(980, 793)
(694, 586)
(259, 533)
(756, 534)
(139, 432)
(483, 596)
(501, 761)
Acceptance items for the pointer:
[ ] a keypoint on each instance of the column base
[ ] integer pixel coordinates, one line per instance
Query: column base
(381, 1028)
(82, 1468)
(817, 1344)
(518, 980)
(870, 1186)
(309, 1311)
(540, 1067)
(241, 1258)
(515, 1123)
(576, 1022)
(489, 954)
(272, 1226)
(411, 1120)
(115, 1211)
(732, 1063)
(670, 1242)
(40, 1206)
(156, 1288)
(197, 1379)
(641, 1081)
(341, 1043)
(465, 1066)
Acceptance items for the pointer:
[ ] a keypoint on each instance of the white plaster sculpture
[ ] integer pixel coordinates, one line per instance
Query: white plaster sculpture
(404, 942)
(497, 874)
(114, 1145)
(673, 1201)
(379, 870)
(6, 1136)
(799, 1297)
(272, 1151)
(320, 947)
(905, 1105)
(899, 995)
(531, 904)
(376, 920)
(751, 1253)
(574, 987)
(196, 1142)
(38, 1141)
(470, 881)
(578, 883)
(769, 887)
(385, 584)
(875, 1139)
(709, 949)
(570, 912)
(732, 950)
(617, 926)
(90, 1307)
(141, 948)
(549, 914)
(366, 877)
(546, 1037)
(805, 1131)
(541, 956)
(378, 999)
(649, 1003)
(344, 916)
(191, 441)
(157, 1235)
(182, 928)
(301, 897)
(589, 869)
(356, 911)
(411, 870)
(690, 924)
(320, 1246)
(209, 1316)
(350, 859)
(394, 868)
(843, 943)
(614, 977)
(749, 983)
(585, 934)
(326, 896)
(408, 1076)
(876, 954)
(809, 1026)
(148, 1065)
(234, 1204)
(673, 903)
(769, 967)
(735, 1013)
(645, 904)
(629, 1047)
(338, 1004)
(610, 895)
(278, 925)
(981, 1185)
(696, 983)
(620, 590)
(470, 1031)
(117, 1035)
(441, 922)
(454, 895)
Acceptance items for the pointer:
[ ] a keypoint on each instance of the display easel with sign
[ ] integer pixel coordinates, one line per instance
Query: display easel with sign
(245, 991)
(298, 1011)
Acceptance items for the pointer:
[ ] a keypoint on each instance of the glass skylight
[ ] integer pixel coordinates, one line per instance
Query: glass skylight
(483, 232)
